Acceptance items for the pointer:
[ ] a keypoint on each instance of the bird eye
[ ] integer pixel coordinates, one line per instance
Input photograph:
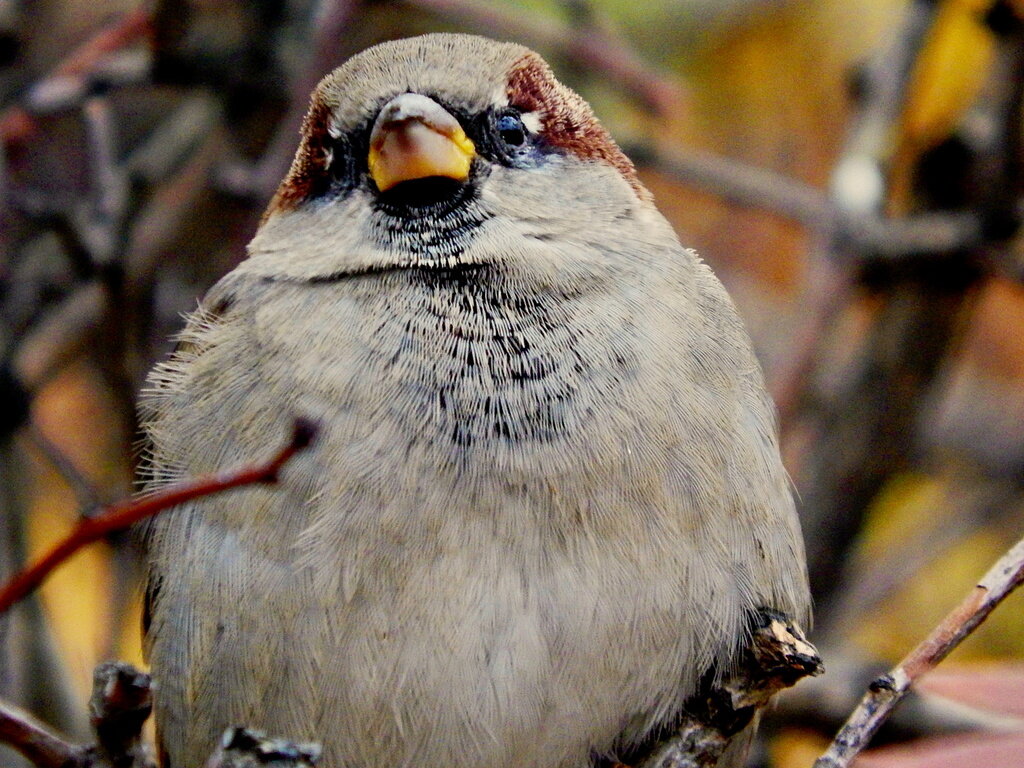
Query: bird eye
(512, 130)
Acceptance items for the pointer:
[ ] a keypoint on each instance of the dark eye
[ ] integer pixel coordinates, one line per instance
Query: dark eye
(512, 130)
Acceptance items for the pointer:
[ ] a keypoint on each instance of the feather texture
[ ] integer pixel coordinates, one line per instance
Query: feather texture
(547, 492)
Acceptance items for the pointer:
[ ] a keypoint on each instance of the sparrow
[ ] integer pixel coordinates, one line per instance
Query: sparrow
(546, 496)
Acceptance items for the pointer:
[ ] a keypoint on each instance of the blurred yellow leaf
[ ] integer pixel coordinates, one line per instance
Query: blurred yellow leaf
(74, 412)
(796, 748)
(906, 618)
(949, 72)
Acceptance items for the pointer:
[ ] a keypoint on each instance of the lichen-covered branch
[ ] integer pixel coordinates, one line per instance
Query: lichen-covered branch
(778, 656)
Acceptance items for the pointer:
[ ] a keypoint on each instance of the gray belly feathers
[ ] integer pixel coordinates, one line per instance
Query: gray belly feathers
(514, 521)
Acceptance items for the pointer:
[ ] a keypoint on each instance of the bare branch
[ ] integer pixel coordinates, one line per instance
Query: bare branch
(35, 741)
(887, 691)
(119, 516)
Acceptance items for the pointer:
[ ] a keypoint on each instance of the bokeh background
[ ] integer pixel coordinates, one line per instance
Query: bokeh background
(851, 170)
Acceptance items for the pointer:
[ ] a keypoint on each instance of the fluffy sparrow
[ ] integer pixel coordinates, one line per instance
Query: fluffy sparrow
(547, 493)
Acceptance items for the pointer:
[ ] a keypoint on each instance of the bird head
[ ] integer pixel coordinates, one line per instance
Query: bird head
(443, 150)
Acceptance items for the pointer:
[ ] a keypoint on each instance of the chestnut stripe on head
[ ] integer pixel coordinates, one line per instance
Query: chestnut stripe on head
(309, 171)
(567, 120)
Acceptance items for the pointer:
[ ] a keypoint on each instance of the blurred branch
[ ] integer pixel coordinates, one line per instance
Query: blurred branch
(595, 49)
(17, 124)
(32, 672)
(60, 336)
(863, 236)
(738, 183)
(919, 274)
(331, 25)
(101, 220)
(859, 184)
(174, 141)
(167, 210)
(119, 516)
(183, 164)
(87, 497)
(887, 691)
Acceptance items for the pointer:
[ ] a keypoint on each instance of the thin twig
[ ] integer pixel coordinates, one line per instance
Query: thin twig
(86, 495)
(16, 123)
(119, 516)
(332, 23)
(739, 183)
(887, 691)
(596, 52)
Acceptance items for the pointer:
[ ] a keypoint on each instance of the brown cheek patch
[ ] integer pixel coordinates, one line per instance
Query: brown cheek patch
(309, 168)
(567, 120)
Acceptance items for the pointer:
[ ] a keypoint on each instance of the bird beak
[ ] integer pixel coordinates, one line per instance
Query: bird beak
(416, 138)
